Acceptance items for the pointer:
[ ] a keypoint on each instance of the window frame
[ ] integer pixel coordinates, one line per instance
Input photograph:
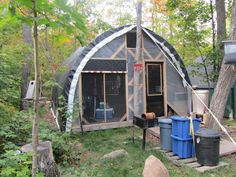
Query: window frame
(147, 77)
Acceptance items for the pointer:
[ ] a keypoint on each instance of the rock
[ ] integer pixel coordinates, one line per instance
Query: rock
(154, 168)
(114, 154)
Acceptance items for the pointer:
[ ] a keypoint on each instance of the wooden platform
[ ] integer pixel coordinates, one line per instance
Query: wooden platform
(190, 162)
(226, 146)
(155, 131)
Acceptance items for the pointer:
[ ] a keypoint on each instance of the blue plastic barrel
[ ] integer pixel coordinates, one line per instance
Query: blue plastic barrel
(180, 126)
(183, 147)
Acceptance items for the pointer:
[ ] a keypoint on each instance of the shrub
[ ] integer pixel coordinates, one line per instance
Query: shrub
(16, 164)
(16, 131)
(65, 148)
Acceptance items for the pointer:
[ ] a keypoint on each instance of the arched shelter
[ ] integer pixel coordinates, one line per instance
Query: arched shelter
(100, 77)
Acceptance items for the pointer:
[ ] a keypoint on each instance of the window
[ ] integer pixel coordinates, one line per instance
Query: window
(131, 40)
(113, 84)
(154, 79)
(103, 97)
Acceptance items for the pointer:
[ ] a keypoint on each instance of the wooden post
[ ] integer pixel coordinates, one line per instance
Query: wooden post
(138, 60)
(105, 101)
(36, 96)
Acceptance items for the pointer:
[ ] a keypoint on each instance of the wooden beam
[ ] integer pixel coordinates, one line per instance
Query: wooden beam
(126, 95)
(131, 108)
(148, 54)
(103, 126)
(189, 160)
(172, 107)
(111, 59)
(130, 51)
(130, 98)
(104, 97)
(140, 86)
(159, 56)
(84, 120)
(118, 50)
(145, 87)
(165, 88)
(202, 169)
(131, 82)
(194, 164)
(123, 118)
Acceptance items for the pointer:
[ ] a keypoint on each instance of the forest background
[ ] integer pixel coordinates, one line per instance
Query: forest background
(63, 26)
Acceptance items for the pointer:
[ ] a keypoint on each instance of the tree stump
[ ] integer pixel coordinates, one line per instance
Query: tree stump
(45, 158)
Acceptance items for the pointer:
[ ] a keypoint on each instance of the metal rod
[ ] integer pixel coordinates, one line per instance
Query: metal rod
(144, 138)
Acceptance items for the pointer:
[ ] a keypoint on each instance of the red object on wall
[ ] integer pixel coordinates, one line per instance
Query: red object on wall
(138, 67)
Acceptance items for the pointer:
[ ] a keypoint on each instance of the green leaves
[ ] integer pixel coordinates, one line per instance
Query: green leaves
(14, 164)
(15, 130)
(54, 14)
(66, 150)
(191, 32)
(60, 25)
(10, 63)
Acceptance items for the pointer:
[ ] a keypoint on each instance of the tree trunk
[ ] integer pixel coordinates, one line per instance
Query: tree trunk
(213, 39)
(221, 21)
(212, 25)
(36, 96)
(74, 43)
(25, 66)
(221, 27)
(46, 47)
(225, 81)
(75, 33)
(138, 60)
(233, 21)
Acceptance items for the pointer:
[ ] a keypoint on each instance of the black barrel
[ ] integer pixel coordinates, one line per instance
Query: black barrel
(207, 146)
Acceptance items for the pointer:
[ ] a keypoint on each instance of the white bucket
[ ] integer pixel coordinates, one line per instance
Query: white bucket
(198, 107)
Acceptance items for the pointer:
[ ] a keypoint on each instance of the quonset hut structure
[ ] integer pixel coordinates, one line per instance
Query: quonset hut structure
(100, 77)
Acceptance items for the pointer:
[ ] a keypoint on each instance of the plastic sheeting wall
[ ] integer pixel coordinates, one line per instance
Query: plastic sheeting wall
(177, 95)
(151, 51)
(108, 50)
(130, 63)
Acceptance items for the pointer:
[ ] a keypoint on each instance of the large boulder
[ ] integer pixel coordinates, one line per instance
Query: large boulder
(154, 168)
(115, 154)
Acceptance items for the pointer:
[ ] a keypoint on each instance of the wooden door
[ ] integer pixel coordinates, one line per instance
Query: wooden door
(154, 88)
